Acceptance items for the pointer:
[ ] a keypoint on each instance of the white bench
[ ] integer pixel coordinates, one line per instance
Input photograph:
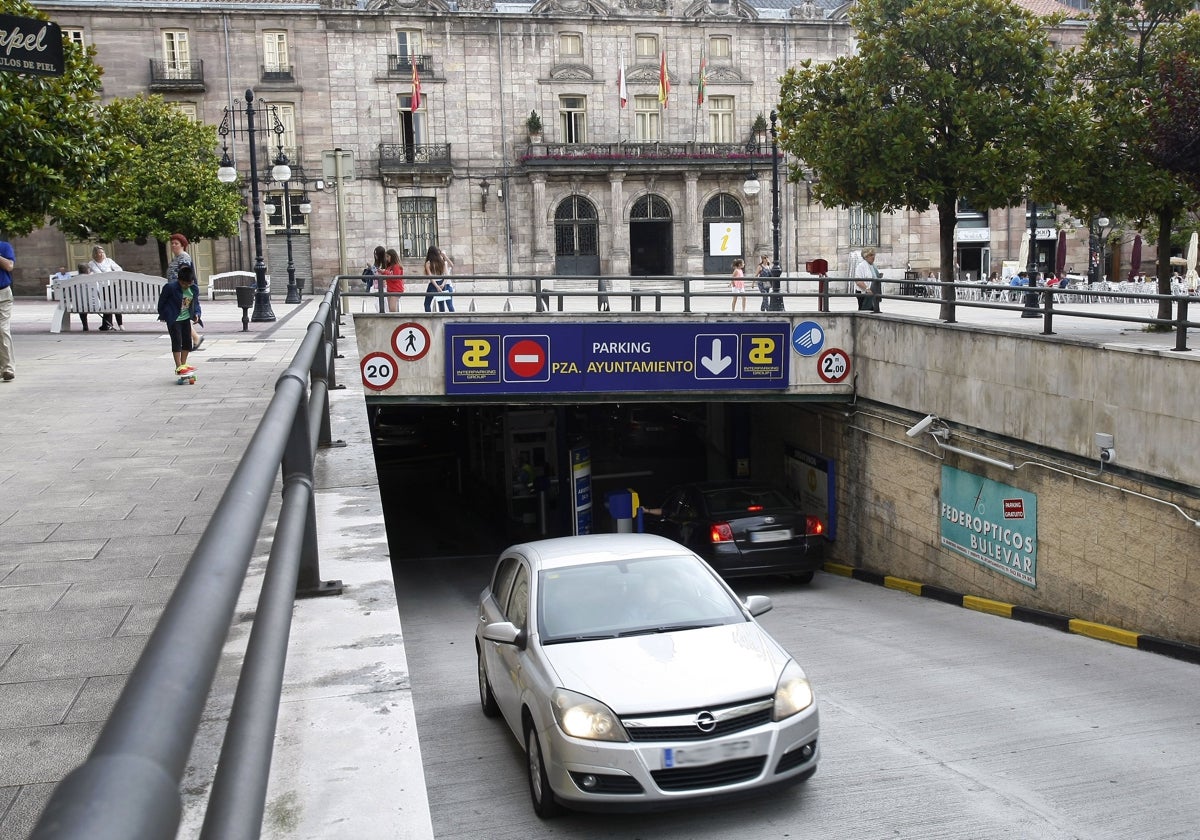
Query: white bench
(113, 292)
(227, 282)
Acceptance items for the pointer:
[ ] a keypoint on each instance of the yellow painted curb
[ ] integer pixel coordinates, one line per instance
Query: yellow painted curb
(1103, 631)
(987, 605)
(839, 569)
(909, 586)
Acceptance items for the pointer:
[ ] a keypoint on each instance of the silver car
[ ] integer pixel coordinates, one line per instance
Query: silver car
(634, 677)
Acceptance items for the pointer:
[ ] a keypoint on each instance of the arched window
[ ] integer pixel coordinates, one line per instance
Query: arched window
(725, 212)
(576, 237)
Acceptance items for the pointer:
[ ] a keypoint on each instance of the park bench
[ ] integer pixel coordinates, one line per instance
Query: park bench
(113, 292)
(227, 283)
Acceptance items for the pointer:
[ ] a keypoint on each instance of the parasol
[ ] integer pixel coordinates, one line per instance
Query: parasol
(1060, 255)
(1135, 258)
(1191, 251)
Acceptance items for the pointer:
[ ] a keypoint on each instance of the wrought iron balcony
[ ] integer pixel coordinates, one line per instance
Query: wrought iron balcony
(398, 158)
(402, 65)
(176, 75)
(606, 154)
(277, 73)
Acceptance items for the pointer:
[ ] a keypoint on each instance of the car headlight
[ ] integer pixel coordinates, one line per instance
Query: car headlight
(582, 717)
(793, 693)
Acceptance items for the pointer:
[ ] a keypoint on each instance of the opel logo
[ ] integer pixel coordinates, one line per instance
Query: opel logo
(770, 520)
(705, 722)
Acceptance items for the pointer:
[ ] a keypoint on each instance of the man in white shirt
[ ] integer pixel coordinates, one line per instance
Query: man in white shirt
(866, 279)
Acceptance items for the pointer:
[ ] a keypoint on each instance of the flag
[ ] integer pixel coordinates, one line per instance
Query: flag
(703, 80)
(416, 82)
(664, 83)
(622, 93)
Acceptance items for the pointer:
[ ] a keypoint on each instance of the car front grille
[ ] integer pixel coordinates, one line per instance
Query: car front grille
(709, 775)
(681, 726)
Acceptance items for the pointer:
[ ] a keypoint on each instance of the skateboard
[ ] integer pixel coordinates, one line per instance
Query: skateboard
(187, 377)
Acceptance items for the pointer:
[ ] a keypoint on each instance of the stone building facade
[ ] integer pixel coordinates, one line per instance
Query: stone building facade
(647, 188)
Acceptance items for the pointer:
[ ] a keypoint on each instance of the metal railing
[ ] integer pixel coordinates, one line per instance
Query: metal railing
(129, 785)
(535, 293)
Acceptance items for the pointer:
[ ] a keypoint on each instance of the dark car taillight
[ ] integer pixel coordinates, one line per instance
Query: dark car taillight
(814, 526)
(720, 532)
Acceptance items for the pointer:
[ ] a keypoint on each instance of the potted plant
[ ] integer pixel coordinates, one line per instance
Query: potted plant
(759, 128)
(534, 125)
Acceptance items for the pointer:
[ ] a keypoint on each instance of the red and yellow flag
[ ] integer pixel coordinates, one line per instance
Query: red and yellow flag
(703, 84)
(416, 84)
(664, 82)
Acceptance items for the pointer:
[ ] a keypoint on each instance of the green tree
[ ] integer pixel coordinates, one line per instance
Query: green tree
(939, 104)
(159, 177)
(1132, 156)
(48, 132)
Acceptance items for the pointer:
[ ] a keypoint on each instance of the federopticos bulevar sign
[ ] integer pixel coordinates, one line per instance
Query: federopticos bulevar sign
(31, 46)
(992, 523)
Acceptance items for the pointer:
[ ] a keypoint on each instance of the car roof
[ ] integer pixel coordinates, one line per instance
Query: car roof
(561, 552)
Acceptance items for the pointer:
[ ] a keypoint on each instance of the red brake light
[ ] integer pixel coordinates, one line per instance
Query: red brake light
(720, 532)
(813, 525)
(754, 508)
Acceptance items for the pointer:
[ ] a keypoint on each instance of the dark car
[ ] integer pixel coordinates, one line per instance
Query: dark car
(742, 529)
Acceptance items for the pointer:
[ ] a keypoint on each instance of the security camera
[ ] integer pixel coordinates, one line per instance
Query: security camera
(1105, 443)
(921, 426)
(1108, 455)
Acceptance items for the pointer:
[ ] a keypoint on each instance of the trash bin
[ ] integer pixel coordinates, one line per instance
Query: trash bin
(622, 504)
(245, 299)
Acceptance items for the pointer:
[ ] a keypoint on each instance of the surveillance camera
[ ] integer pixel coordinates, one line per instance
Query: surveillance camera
(1104, 441)
(921, 426)
(1107, 455)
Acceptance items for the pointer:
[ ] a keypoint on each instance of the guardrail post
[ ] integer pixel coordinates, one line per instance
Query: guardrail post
(1181, 322)
(687, 294)
(1048, 319)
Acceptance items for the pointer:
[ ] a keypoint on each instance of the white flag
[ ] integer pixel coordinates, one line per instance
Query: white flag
(621, 91)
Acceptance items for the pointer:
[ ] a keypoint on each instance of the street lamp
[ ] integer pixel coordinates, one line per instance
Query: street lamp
(226, 174)
(282, 173)
(1030, 303)
(1097, 238)
(775, 304)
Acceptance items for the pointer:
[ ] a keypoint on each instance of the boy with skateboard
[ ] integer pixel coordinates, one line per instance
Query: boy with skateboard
(179, 306)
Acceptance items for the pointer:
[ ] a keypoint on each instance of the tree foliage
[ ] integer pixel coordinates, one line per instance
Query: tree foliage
(923, 115)
(159, 177)
(49, 134)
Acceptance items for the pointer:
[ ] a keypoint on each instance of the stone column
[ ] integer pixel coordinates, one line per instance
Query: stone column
(693, 236)
(618, 232)
(538, 228)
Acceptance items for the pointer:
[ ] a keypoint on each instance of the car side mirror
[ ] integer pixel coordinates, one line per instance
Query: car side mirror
(756, 605)
(506, 633)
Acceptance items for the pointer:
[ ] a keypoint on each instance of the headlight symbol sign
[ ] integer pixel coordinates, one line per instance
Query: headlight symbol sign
(808, 338)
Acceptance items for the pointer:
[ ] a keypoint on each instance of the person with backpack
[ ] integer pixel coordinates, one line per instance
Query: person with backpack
(375, 268)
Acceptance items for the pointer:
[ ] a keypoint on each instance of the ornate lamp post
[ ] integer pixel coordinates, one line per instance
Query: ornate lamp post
(1031, 308)
(226, 174)
(281, 166)
(775, 304)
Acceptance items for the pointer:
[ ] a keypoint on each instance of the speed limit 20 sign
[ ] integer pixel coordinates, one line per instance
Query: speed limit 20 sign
(833, 365)
(379, 371)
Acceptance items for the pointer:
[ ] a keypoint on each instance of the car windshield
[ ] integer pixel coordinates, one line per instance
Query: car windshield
(631, 597)
(734, 501)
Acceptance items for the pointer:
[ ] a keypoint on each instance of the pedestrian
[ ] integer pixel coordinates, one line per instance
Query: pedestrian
(737, 283)
(377, 263)
(393, 278)
(866, 282)
(435, 289)
(101, 263)
(8, 259)
(93, 295)
(764, 281)
(179, 307)
(178, 243)
(448, 284)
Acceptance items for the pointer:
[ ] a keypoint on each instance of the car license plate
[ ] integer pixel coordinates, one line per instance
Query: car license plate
(770, 536)
(705, 753)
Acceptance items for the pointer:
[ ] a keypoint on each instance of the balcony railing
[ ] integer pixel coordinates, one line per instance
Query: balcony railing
(402, 65)
(601, 154)
(176, 75)
(399, 157)
(277, 73)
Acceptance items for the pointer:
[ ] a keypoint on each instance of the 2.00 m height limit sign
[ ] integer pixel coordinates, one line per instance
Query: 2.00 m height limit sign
(833, 365)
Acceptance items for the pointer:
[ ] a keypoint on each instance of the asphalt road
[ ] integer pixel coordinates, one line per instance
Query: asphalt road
(937, 722)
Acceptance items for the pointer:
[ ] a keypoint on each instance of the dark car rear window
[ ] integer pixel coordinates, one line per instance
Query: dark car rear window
(728, 501)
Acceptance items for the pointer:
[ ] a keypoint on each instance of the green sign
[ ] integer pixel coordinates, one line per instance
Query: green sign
(991, 523)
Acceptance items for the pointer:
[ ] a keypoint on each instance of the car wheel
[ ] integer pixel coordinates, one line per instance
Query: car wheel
(804, 577)
(544, 803)
(487, 700)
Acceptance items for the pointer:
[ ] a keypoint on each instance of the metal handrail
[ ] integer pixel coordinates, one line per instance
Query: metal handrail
(129, 786)
(540, 289)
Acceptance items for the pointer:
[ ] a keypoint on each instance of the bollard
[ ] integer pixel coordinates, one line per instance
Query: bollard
(245, 299)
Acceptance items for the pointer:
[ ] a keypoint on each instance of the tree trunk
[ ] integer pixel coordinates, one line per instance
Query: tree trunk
(947, 220)
(1165, 220)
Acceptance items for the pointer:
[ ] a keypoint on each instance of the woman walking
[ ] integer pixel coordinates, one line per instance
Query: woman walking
(393, 278)
(435, 289)
(737, 282)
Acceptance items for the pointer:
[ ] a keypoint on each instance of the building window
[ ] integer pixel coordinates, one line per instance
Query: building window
(645, 46)
(408, 45)
(188, 109)
(647, 116)
(418, 225)
(864, 228)
(276, 221)
(177, 54)
(286, 112)
(570, 45)
(75, 36)
(412, 126)
(719, 48)
(573, 112)
(720, 119)
(723, 211)
(275, 52)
